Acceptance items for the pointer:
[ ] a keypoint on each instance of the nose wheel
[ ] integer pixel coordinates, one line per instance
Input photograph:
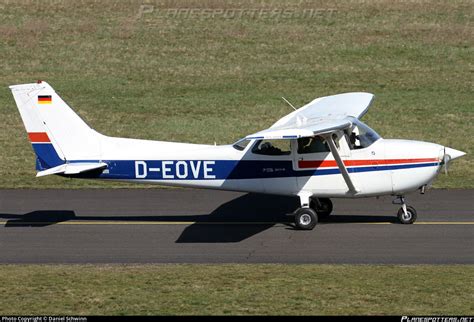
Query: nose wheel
(406, 214)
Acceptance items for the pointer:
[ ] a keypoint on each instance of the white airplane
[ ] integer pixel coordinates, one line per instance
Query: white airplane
(320, 151)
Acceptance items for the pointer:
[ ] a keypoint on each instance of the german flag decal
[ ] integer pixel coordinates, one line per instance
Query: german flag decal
(44, 99)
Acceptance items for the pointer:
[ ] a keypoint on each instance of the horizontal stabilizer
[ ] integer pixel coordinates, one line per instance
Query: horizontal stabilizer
(72, 168)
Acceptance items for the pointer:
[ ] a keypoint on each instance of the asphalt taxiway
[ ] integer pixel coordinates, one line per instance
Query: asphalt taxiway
(205, 226)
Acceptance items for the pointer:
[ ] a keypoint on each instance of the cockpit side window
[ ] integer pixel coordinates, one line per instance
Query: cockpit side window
(361, 136)
(272, 147)
(315, 144)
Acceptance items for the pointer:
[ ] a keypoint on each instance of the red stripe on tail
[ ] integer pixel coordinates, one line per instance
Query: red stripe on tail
(38, 137)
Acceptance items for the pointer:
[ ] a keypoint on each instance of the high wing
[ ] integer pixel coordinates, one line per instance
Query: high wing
(321, 116)
(315, 127)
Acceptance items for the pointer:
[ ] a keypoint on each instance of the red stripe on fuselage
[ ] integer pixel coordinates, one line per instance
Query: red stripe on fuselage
(307, 164)
(38, 137)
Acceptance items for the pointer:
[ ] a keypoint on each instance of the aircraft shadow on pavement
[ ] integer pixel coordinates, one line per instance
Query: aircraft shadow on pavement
(249, 215)
(233, 221)
(38, 218)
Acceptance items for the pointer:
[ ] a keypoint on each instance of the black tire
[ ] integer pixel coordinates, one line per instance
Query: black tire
(325, 209)
(306, 218)
(411, 215)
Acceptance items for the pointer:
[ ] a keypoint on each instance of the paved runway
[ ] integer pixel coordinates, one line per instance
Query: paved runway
(203, 226)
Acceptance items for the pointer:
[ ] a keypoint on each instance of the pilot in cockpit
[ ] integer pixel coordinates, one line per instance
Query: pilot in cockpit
(354, 139)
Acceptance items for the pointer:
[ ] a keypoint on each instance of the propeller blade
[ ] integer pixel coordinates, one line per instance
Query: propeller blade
(446, 159)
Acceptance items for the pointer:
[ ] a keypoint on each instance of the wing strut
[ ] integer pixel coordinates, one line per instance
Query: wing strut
(340, 164)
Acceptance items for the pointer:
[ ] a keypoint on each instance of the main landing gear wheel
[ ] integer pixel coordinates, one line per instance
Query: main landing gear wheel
(306, 218)
(407, 218)
(322, 206)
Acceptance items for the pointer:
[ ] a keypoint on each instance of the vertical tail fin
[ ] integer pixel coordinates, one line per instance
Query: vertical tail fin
(57, 134)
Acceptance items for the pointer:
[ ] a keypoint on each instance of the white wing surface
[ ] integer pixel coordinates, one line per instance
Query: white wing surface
(315, 127)
(323, 115)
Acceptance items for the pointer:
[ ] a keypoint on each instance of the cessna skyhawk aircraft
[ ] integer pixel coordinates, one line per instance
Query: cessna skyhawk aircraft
(320, 151)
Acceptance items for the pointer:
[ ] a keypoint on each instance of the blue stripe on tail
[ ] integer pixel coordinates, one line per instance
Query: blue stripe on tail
(46, 156)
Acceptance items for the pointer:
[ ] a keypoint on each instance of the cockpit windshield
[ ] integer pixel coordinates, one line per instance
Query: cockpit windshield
(360, 135)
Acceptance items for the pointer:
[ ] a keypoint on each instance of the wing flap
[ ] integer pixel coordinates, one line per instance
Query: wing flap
(72, 168)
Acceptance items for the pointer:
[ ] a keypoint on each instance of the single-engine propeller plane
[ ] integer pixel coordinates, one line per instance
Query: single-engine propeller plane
(320, 151)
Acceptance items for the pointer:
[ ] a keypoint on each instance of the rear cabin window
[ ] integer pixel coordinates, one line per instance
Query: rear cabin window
(272, 147)
(241, 145)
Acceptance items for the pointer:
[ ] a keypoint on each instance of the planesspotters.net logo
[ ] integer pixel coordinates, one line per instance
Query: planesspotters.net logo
(437, 319)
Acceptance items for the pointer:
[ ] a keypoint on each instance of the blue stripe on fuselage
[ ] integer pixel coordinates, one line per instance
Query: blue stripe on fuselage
(223, 169)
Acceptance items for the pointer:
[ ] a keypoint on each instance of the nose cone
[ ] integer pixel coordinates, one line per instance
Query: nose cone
(454, 154)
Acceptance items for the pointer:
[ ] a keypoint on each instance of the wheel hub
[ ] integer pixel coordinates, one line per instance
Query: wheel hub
(305, 219)
(407, 215)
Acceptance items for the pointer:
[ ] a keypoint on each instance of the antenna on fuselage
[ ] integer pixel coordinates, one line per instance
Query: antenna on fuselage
(288, 103)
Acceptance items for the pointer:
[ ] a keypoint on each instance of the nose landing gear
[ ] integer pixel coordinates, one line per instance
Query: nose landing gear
(406, 214)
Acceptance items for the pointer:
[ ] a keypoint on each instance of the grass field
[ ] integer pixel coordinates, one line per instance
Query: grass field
(218, 74)
(236, 289)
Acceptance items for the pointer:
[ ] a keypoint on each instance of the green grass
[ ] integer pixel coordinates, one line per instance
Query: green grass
(236, 289)
(217, 79)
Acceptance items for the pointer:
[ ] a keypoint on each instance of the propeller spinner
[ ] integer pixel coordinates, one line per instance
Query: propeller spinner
(448, 155)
